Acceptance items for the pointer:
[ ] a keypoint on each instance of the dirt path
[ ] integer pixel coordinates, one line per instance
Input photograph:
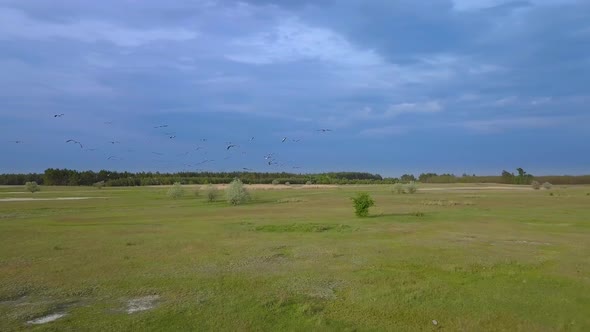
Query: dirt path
(46, 199)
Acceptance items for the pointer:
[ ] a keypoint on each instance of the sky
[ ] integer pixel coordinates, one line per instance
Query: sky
(405, 86)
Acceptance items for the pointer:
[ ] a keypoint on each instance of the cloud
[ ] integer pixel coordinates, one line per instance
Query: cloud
(291, 40)
(426, 107)
(15, 25)
(385, 131)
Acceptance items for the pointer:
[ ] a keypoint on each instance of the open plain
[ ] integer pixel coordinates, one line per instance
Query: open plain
(473, 258)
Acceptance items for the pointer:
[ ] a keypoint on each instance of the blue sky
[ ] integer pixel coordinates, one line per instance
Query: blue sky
(471, 86)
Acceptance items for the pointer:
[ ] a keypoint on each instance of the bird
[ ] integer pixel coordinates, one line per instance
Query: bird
(231, 146)
(252, 138)
(158, 153)
(75, 142)
(161, 126)
(203, 140)
(284, 139)
(112, 158)
(16, 142)
(324, 130)
(108, 123)
(198, 148)
(58, 115)
(172, 136)
(90, 149)
(114, 142)
(246, 169)
(434, 322)
(268, 156)
(297, 140)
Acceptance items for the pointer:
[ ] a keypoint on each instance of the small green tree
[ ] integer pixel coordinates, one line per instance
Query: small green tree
(398, 188)
(98, 185)
(211, 192)
(547, 186)
(236, 193)
(536, 185)
(176, 191)
(362, 203)
(275, 182)
(411, 188)
(33, 187)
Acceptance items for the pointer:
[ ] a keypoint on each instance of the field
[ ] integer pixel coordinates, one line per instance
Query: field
(472, 257)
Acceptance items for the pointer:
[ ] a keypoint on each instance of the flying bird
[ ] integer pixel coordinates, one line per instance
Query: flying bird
(58, 115)
(203, 140)
(114, 142)
(284, 139)
(112, 158)
(158, 153)
(172, 136)
(231, 146)
(247, 169)
(108, 123)
(16, 142)
(324, 130)
(297, 140)
(252, 138)
(161, 126)
(75, 142)
(90, 149)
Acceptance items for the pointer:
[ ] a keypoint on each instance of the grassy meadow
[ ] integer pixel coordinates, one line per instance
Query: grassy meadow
(471, 257)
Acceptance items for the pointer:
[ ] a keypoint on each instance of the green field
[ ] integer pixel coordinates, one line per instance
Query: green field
(474, 259)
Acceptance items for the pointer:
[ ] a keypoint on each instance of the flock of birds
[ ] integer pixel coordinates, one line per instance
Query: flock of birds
(270, 158)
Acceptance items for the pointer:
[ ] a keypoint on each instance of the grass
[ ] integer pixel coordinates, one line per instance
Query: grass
(508, 260)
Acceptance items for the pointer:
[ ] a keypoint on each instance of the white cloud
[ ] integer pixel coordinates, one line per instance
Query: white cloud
(385, 131)
(291, 41)
(499, 125)
(15, 24)
(470, 5)
(426, 107)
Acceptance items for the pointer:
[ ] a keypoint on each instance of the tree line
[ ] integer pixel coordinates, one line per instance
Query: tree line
(67, 177)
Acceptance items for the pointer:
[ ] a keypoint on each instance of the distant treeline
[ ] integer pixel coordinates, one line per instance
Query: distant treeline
(66, 177)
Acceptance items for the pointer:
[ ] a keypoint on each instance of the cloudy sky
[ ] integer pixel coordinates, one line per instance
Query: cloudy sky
(472, 86)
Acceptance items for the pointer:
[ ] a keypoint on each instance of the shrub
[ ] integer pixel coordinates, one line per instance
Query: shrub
(308, 183)
(236, 193)
(411, 188)
(362, 203)
(547, 185)
(211, 193)
(176, 191)
(275, 181)
(33, 187)
(398, 188)
(536, 185)
(98, 185)
(287, 183)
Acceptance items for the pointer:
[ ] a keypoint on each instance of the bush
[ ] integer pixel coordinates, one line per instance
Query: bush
(275, 181)
(411, 188)
(287, 183)
(547, 185)
(308, 183)
(33, 187)
(211, 193)
(176, 191)
(236, 193)
(362, 203)
(98, 185)
(398, 188)
(536, 185)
